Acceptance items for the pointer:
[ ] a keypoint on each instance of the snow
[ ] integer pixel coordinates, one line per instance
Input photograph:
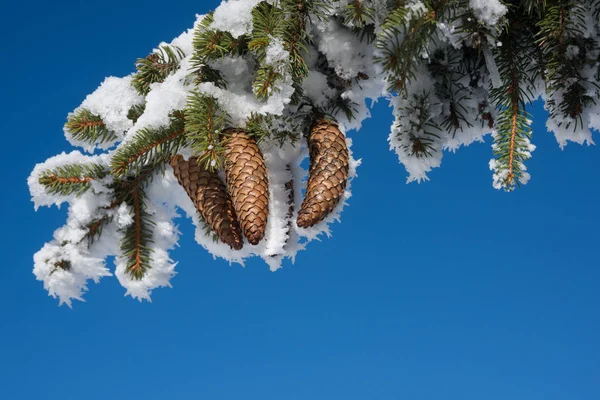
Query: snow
(164, 236)
(276, 53)
(425, 103)
(488, 12)
(111, 101)
(234, 16)
(39, 196)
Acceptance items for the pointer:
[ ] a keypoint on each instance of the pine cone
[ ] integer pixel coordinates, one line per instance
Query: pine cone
(211, 199)
(248, 183)
(328, 173)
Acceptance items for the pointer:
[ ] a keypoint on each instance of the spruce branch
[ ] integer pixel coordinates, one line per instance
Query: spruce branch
(150, 147)
(265, 83)
(266, 23)
(342, 104)
(211, 44)
(296, 38)
(402, 40)
(562, 40)
(137, 237)
(87, 127)
(358, 13)
(156, 67)
(360, 17)
(512, 146)
(205, 121)
(421, 130)
(451, 69)
(71, 178)
(95, 228)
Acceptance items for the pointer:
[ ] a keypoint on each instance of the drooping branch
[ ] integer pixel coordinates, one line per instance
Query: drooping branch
(137, 236)
(512, 146)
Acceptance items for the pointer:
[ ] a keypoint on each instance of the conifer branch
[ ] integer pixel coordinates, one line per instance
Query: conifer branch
(210, 44)
(150, 147)
(156, 67)
(204, 123)
(562, 41)
(296, 39)
(450, 70)
(87, 127)
(512, 146)
(265, 83)
(137, 237)
(94, 229)
(71, 178)
(403, 38)
(360, 17)
(266, 24)
(422, 131)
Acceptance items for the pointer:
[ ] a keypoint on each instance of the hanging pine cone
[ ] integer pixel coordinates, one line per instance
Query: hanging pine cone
(248, 183)
(211, 199)
(328, 173)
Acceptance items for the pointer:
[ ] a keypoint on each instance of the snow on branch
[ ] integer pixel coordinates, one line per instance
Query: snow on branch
(218, 123)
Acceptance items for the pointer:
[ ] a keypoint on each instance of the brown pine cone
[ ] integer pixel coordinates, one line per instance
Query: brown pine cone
(211, 199)
(248, 183)
(328, 173)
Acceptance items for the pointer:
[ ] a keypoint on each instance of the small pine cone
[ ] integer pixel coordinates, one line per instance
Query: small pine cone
(328, 173)
(211, 199)
(248, 183)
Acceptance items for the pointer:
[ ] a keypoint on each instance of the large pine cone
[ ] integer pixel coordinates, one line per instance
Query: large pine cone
(328, 173)
(211, 199)
(248, 183)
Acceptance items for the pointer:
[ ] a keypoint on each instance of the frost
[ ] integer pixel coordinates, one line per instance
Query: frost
(341, 68)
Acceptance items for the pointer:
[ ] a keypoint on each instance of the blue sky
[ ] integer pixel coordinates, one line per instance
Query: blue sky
(444, 290)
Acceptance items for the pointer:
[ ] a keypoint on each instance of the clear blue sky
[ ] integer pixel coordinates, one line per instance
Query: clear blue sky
(444, 290)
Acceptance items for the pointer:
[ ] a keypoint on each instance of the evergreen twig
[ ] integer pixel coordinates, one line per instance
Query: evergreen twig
(87, 127)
